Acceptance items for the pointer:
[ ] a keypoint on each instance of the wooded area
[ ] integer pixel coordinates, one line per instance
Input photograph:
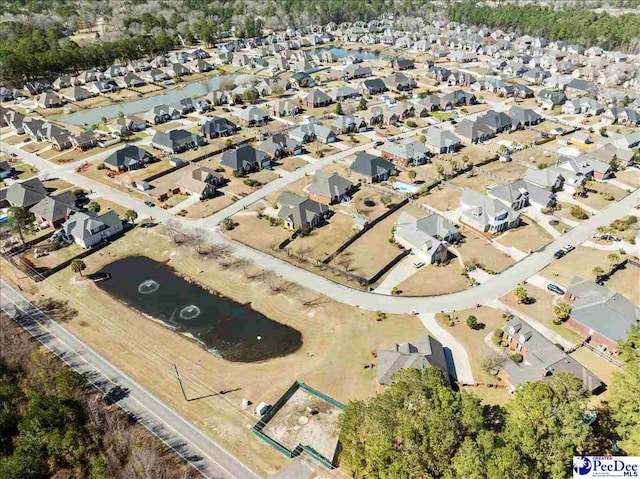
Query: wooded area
(573, 25)
(53, 425)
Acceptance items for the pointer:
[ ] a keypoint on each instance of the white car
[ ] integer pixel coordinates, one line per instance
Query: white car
(568, 247)
(418, 264)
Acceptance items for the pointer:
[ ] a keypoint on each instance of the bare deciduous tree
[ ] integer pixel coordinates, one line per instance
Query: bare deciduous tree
(197, 240)
(174, 230)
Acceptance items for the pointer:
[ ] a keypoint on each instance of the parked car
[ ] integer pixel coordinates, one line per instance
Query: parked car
(568, 248)
(418, 264)
(150, 204)
(558, 254)
(554, 288)
(379, 143)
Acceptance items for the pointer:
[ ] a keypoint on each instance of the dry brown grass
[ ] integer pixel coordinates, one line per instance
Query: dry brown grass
(626, 282)
(443, 198)
(433, 280)
(474, 250)
(528, 237)
(600, 367)
(337, 344)
(596, 200)
(510, 171)
(580, 262)
(325, 240)
(630, 176)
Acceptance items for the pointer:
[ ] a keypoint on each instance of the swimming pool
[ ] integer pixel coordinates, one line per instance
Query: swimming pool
(404, 188)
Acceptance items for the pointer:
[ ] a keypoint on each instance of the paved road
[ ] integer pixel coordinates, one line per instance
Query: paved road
(204, 454)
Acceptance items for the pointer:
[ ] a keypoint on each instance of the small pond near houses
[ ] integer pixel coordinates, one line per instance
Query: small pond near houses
(225, 327)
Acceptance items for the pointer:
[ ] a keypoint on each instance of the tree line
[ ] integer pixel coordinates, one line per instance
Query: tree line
(52, 425)
(31, 52)
(422, 428)
(576, 25)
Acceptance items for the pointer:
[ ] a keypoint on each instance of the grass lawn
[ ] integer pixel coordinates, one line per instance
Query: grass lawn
(600, 367)
(596, 200)
(325, 240)
(565, 211)
(510, 171)
(205, 208)
(432, 280)
(474, 250)
(630, 176)
(530, 236)
(370, 212)
(14, 140)
(53, 258)
(443, 198)
(258, 233)
(337, 344)
(372, 251)
(56, 184)
(533, 156)
(442, 115)
(34, 146)
(490, 396)
(626, 282)
(170, 125)
(580, 262)
(541, 309)
(174, 200)
(25, 171)
(291, 163)
(477, 182)
(473, 340)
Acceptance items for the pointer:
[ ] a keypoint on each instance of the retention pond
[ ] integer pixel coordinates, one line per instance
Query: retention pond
(232, 330)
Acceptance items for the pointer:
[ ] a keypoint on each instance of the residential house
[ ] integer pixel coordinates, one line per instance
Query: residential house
(486, 214)
(75, 93)
(601, 316)
(130, 80)
(521, 117)
(542, 359)
(253, 116)
(372, 86)
(202, 182)
(216, 127)
(628, 141)
(457, 98)
(426, 237)
(621, 116)
(404, 154)
(584, 166)
(371, 168)
(535, 75)
(439, 74)
(610, 153)
(427, 352)
(343, 93)
(176, 141)
(344, 124)
(551, 179)
(330, 188)
(519, 194)
(40, 130)
(440, 141)
(87, 230)
(473, 131)
(550, 98)
(279, 146)
(299, 212)
(162, 114)
(54, 210)
(497, 121)
(83, 140)
(373, 116)
(402, 64)
(317, 98)
(128, 158)
(579, 88)
(399, 82)
(25, 193)
(286, 107)
(49, 99)
(244, 159)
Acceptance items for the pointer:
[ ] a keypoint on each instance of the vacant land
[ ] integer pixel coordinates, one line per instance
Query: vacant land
(431, 280)
(510, 171)
(258, 233)
(540, 308)
(530, 236)
(630, 176)
(596, 199)
(473, 341)
(564, 211)
(477, 252)
(442, 198)
(325, 240)
(579, 262)
(337, 343)
(478, 182)
(532, 156)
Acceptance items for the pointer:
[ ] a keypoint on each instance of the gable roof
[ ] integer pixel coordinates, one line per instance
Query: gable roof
(409, 150)
(26, 193)
(371, 165)
(329, 185)
(83, 225)
(418, 355)
(55, 208)
(130, 155)
(298, 209)
(244, 156)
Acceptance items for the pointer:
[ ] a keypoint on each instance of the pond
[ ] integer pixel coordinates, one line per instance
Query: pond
(225, 327)
(93, 115)
(342, 53)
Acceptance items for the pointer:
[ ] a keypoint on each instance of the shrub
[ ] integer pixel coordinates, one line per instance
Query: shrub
(542, 166)
(578, 213)
(607, 196)
(228, 224)
(557, 322)
(100, 166)
(472, 321)
(411, 124)
(496, 340)
(250, 182)
(516, 357)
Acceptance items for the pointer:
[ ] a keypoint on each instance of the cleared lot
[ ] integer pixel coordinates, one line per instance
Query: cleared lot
(431, 280)
(477, 252)
(580, 262)
(530, 236)
(442, 198)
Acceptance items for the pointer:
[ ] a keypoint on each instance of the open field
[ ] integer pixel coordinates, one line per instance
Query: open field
(432, 280)
(442, 198)
(532, 156)
(630, 176)
(473, 339)
(541, 309)
(478, 182)
(290, 163)
(475, 251)
(325, 240)
(580, 262)
(595, 199)
(337, 344)
(510, 171)
(530, 236)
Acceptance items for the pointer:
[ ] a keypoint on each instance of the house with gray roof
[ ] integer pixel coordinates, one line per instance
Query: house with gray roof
(87, 229)
(202, 182)
(600, 315)
(519, 194)
(55, 209)
(497, 121)
(216, 127)
(486, 214)
(25, 193)
(176, 141)
(372, 86)
(521, 117)
(372, 168)
(440, 141)
(399, 82)
(317, 98)
(128, 158)
(300, 212)
(427, 352)
(330, 188)
(253, 116)
(75, 93)
(404, 154)
(244, 159)
(550, 98)
(474, 131)
(542, 359)
(348, 124)
(49, 99)
(621, 116)
(551, 178)
(342, 93)
(426, 237)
